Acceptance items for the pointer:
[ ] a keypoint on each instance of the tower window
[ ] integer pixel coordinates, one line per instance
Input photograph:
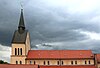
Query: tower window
(20, 62)
(58, 62)
(48, 63)
(16, 62)
(34, 62)
(89, 62)
(62, 62)
(85, 62)
(71, 62)
(75, 62)
(15, 51)
(20, 51)
(44, 62)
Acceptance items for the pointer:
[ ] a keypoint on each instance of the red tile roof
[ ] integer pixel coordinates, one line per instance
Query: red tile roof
(98, 57)
(80, 66)
(59, 54)
(17, 66)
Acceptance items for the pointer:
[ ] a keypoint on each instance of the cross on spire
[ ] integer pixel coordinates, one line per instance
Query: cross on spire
(21, 4)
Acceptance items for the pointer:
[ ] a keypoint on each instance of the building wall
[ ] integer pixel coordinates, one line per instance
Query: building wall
(18, 59)
(27, 43)
(98, 65)
(18, 46)
(78, 62)
(61, 62)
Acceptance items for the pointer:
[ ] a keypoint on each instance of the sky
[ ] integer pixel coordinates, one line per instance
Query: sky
(53, 24)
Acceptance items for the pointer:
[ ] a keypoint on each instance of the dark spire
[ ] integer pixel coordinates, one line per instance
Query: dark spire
(21, 27)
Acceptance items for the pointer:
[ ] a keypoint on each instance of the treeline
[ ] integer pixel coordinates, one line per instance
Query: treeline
(2, 62)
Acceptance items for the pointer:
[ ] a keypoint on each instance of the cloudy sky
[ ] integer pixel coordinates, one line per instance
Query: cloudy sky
(53, 24)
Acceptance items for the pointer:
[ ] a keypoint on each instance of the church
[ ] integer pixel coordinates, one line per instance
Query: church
(23, 55)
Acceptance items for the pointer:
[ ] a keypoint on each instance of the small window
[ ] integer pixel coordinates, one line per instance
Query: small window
(48, 63)
(71, 62)
(34, 62)
(30, 62)
(16, 62)
(62, 62)
(75, 62)
(89, 62)
(58, 62)
(20, 51)
(20, 62)
(44, 62)
(15, 51)
(85, 62)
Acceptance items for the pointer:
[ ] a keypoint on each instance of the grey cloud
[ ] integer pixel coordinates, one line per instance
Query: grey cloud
(75, 45)
(45, 23)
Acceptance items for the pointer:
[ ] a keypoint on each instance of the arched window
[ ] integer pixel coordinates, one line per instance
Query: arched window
(34, 62)
(16, 62)
(62, 62)
(44, 62)
(20, 51)
(58, 62)
(75, 62)
(48, 63)
(89, 62)
(85, 62)
(20, 62)
(15, 51)
(71, 62)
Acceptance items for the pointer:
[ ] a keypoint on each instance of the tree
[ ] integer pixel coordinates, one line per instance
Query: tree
(2, 62)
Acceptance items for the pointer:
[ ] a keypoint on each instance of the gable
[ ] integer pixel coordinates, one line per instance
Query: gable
(98, 57)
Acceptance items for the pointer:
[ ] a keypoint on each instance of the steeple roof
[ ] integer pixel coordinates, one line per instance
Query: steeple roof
(21, 21)
(20, 34)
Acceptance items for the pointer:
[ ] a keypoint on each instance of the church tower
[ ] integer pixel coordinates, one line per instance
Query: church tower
(20, 43)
